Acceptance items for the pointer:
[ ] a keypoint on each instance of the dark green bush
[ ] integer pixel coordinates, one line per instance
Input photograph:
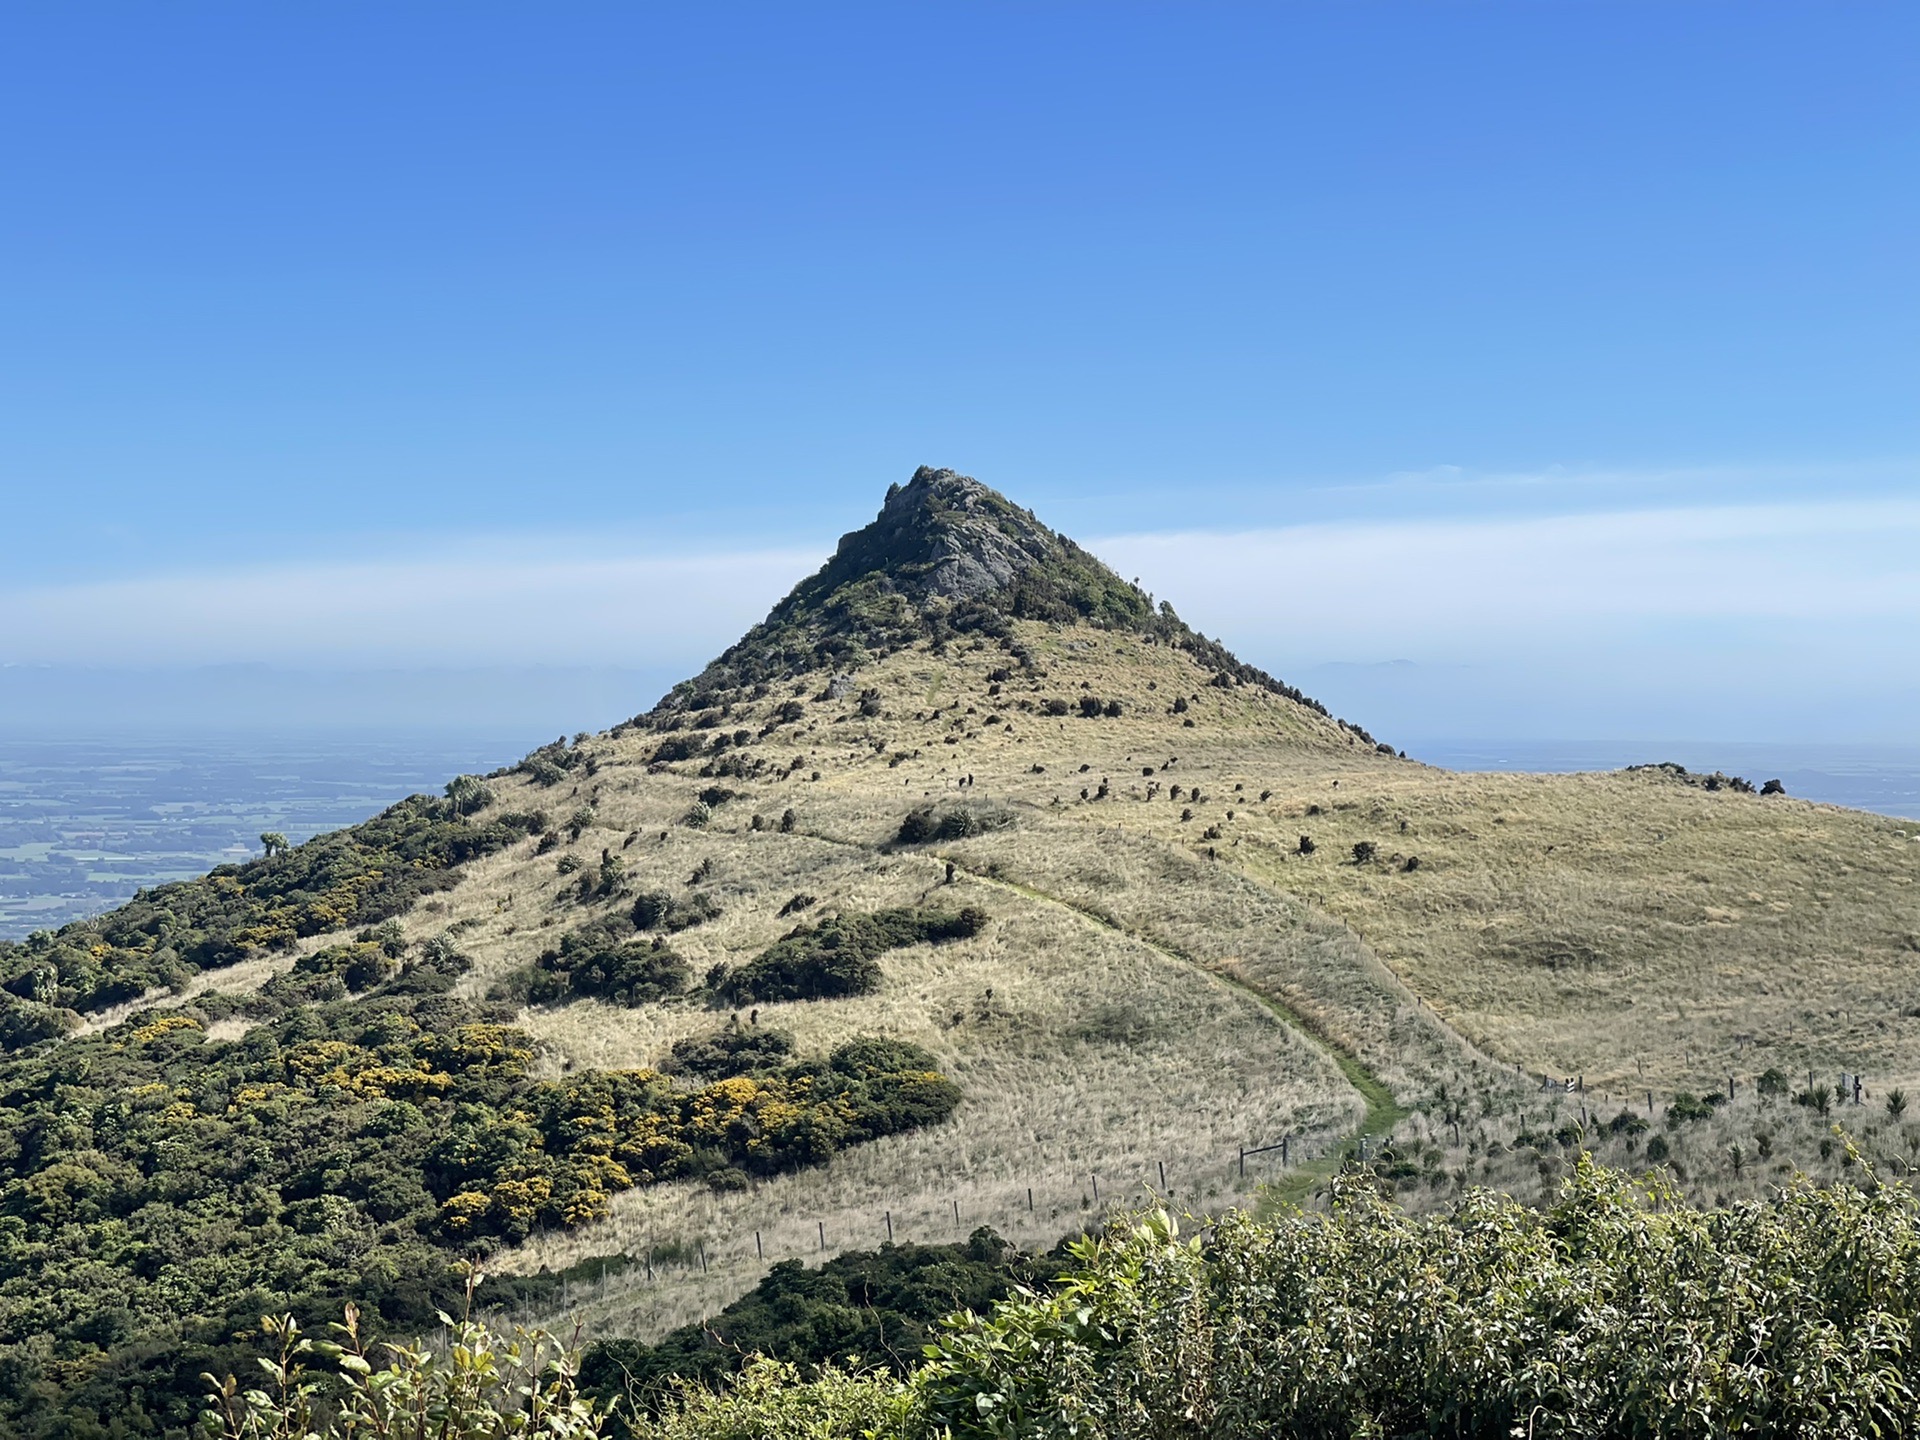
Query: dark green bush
(927, 824)
(735, 1050)
(595, 961)
(840, 956)
(874, 1307)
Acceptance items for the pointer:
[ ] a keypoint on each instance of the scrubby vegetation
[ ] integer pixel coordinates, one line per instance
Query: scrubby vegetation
(158, 1188)
(864, 1308)
(956, 822)
(841, 955)
(358, 876)
(595, 960)
(550, 1155)
(1617, 1310)
(735, 1050)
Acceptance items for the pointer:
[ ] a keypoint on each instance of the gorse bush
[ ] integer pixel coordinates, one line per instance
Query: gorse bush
(840, 955)
(735, 1050)
(555, 1156)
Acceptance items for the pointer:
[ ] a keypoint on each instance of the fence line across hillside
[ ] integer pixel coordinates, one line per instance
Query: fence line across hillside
(725, 1251)
(1209, 1189)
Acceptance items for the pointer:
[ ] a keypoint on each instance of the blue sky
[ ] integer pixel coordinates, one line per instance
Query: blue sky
(1497, 369)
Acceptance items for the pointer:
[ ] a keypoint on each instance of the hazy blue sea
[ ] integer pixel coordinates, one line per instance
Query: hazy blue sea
(86, 822)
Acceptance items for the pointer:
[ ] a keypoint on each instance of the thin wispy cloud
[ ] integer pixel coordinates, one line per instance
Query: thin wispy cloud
(1734, 619)
(474, 606)
(1464, 586)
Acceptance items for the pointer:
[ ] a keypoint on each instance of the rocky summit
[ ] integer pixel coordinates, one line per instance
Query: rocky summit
(947, 556)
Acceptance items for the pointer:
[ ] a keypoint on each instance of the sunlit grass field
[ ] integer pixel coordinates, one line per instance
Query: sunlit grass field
(1169, 976)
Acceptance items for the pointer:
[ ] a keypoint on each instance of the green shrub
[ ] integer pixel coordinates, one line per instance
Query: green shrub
(735, 1050)
(958, 822)
(484, 1386)
(1615, 1311)
(657, 910)
(863, 1307)
(1686, 1106)
(840, 956)
(770, 1401)
(594, 961)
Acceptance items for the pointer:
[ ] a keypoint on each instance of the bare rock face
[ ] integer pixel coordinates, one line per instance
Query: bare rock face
(947, 535)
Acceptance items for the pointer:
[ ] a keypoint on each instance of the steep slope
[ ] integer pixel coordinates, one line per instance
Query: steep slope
(946, 556)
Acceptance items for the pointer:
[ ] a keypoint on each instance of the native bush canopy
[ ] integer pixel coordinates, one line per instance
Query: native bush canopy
(866, 1307)
(1616, 1311)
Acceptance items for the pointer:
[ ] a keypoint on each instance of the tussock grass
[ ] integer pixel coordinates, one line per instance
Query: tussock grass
(1626, 928)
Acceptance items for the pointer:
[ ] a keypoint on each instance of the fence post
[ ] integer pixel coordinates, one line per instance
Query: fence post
(1243, 1162)
(759, 1251)
(889, 1227)
(1283, 1148)
(1029, 1199)
(1163, 1177)
(956, 1214)
(1096, 1189)
(823, 1233)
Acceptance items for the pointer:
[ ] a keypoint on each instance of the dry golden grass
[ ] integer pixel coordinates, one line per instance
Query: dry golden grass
(1627, 928)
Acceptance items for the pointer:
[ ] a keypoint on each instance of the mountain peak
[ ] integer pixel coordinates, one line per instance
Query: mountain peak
(946, 555)
(945, 536)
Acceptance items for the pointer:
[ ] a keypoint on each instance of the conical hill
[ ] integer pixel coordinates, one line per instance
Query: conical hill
(947, 556)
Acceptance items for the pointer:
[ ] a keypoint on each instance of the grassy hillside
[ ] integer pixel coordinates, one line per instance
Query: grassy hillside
(1121, 907)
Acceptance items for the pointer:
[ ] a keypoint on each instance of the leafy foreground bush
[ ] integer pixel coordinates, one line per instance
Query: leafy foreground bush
(482, 1386)
(1616, 1312)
